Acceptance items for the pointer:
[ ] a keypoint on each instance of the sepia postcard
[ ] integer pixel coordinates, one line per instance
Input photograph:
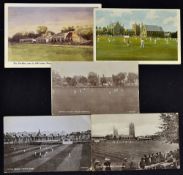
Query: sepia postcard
(95, 88)
(47, 143)
(149, 36)
(38, 34)
(135, 142)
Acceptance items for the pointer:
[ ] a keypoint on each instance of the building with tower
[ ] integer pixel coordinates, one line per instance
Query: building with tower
(115, 133)
(132, 130)
(130, 136)
(136, 29)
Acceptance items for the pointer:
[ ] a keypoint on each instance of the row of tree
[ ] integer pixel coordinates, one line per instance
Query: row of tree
(118, 29)
(94, 80)
(86, 32)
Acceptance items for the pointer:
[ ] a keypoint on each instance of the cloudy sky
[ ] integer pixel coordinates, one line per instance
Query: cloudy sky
(47, 123)
(145, 124)
(165, 18)
(101, 68)
(23, 19)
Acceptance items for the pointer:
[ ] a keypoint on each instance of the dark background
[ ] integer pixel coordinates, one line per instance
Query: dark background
(28, 91)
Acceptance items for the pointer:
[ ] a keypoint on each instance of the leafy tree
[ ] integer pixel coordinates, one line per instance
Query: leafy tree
(104, 30)
(169, 127)
(17, 36)
(83, 80)
(68, 80)
(118, 80)
(173, 35)
(71, 81)
(68, 29)
(103, 80)
(93, 79)
(31, 35)
(41, 30)
(121, 78)
(132, 77)
(85, 32)
(50, 32)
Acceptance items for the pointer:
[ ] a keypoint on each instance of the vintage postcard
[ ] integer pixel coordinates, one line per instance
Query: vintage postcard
(47, 143)
(95, 88)
(38, 34)
(150, 36)
(135, 142)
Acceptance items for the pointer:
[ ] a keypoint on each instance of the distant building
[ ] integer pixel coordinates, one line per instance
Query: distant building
(115, 133)
(46, 138)
(70, 37)
(132, 130)
(131, 135)
(151, 31)
(27, 40)
(142, 30)
(115, 29)
(136, 29)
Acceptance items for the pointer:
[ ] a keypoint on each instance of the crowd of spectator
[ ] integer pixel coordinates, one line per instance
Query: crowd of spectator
(159, 160)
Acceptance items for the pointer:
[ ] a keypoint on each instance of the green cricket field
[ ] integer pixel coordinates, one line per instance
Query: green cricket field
(45, 52)
(117, 48)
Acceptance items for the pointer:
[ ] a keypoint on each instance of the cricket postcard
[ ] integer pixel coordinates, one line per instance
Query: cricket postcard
(95, 88)
(122, 142)
(150, 36)
(38, 34)
(47, 143)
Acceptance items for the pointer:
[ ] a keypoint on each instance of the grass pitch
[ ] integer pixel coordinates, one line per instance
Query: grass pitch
(115, 48)
(94, 100)
(74, 157)
(133, 151)
(45, 52)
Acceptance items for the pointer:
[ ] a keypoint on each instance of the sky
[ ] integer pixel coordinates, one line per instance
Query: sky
(24, 19)
(101, 68)
(47, 123)
(165, 18)
(145, 124)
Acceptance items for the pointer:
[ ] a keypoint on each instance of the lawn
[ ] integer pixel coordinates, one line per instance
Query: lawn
(131, 150)
(94, 100)
(44, 52)
(74, 157)
(117, 49)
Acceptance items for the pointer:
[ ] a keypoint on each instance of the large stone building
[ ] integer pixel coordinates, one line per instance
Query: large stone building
(151, 31)
(142, 30)
(115, 29)
(136, 29)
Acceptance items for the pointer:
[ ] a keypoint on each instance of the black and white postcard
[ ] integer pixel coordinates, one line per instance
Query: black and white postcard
(95, 88)
(135, 142)
(46, 143)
